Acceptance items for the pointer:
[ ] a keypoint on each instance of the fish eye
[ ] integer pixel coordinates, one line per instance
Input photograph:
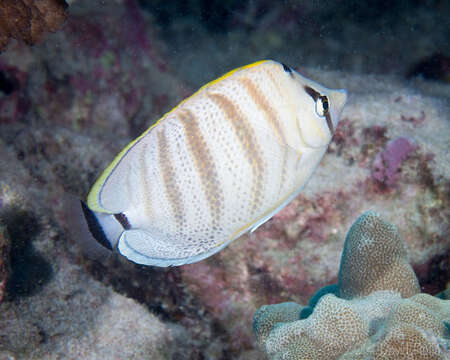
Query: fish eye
(322, 106)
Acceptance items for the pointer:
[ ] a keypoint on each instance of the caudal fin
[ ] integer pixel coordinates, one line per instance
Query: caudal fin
(96, 233)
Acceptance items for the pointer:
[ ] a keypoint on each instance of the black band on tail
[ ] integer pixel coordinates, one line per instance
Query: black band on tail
(94, 227)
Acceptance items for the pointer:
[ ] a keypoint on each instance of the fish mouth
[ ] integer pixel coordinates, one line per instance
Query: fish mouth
(338, 99)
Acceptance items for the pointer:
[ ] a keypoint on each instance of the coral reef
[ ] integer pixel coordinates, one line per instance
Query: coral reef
(375, 311)
(375, 258)
(378, 326)
(29, 20)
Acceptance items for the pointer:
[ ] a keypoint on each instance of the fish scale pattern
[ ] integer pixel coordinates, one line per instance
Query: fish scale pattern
(362, 317)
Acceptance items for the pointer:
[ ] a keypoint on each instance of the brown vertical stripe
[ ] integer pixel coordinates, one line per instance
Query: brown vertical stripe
(300, 133)
(276, 85)
(272, 118)
(145, 183)
(248, 142)
(204, 163)
(170, 184)
(261, 102)
(123, 220)
(271, 76)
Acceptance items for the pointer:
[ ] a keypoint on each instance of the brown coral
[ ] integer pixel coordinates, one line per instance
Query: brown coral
(379, 326)
(375, 312)
(375, 258)
(29, 20)
(285, 312)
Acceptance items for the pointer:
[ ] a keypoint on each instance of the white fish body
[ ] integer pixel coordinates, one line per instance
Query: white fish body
(220, 164)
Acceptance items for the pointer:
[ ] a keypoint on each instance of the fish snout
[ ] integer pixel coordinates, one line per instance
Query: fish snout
(338, 98)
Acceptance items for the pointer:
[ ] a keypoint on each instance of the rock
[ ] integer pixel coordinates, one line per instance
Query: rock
(76, 317)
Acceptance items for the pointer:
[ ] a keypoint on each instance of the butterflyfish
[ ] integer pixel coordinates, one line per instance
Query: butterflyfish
(217, 166)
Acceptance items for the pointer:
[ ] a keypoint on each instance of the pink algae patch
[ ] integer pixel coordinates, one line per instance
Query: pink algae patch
(385, 167)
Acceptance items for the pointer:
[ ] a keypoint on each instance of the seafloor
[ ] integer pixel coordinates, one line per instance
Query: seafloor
(69, 103)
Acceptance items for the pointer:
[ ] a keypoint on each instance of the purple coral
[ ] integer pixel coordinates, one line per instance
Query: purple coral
(387, 162)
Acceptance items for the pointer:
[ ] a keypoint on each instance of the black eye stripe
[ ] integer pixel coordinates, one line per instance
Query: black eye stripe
(326, 106)
(329, 123)
(325, 103)
(311, 92)
(286, 68)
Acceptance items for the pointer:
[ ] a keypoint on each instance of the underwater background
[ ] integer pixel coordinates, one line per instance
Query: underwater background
(79, 79)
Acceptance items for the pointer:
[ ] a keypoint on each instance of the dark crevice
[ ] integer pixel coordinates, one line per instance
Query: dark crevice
(30, 271)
